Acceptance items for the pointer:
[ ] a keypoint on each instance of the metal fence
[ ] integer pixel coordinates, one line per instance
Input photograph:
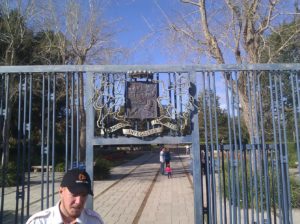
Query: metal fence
(242, 122)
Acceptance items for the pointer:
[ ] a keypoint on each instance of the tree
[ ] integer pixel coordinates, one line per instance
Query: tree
(15, 43)
(89, 39)
(20, 45)
(289, 54)
(211, 29)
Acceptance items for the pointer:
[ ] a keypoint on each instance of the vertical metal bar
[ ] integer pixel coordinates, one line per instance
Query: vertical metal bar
(295, 91)
(175, 93)
(156, 78)
(282, 179)
(5, 143)
(2, 103)
(258, 148)
(218, 147)
(72, 121)
(77, 121)
(256, 151)
(243, 158)
(170, 85)
(2, 92)
(206, 152)
(18, 150)
(236, 162)
(286, 159)
(113, 90)
(231, 188)
(265, 161)
(198, 208)
(53, 134)
(48, 138)
(107, 100)
(67, 123)
(210, 106)
(90, 126)
(29, 145)
(24, 89)
(42, 143)
(252, 149)
(273, 185)
(236, 202)
(298, 96)
(180, 98)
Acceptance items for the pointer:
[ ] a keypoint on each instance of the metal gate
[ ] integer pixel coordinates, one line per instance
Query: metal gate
(242, 122)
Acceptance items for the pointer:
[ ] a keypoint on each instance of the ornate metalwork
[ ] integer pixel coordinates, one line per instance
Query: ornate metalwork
(141, 105)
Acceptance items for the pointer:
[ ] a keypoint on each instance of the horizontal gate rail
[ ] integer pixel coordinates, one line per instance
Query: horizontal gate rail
(153, 68)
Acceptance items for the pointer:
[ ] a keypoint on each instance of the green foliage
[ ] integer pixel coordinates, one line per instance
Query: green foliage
(15, 39)
(10, 175)
(60, 167)
(295, 192)
(279, 54)
(292, 154)
(102, 169)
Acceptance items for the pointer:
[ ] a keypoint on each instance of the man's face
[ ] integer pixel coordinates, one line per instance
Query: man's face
(71, 205)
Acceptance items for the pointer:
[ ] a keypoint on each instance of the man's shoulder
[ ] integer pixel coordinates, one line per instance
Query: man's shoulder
(39, 216)
(92, 214)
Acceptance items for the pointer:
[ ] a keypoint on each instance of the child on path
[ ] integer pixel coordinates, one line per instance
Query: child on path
(169, 171)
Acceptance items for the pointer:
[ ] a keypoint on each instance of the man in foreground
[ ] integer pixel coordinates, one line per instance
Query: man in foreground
(73, 192)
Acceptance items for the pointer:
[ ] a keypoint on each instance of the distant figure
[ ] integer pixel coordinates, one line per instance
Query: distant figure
(169, 171)
(187, 149)
(167, 156)
(73, 192)
(162, 159)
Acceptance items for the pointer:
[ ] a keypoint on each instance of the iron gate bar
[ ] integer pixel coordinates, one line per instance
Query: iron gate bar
(42, 142)
(275, 140)
(283, 176)
(294, 76)
(29, 144)
(72, 103)
(198, 197)
(53, 133)
(245, 203)
(286, 159)
(67, 121)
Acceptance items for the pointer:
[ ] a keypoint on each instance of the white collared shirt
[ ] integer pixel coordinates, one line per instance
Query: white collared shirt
(52, 216)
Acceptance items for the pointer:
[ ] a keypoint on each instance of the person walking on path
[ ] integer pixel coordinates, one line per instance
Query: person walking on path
(73, 192)
(187, 150)
(169, 171)
(167, 156)
(162, 160)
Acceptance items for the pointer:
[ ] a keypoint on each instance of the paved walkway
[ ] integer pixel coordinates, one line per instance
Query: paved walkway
(143, 195)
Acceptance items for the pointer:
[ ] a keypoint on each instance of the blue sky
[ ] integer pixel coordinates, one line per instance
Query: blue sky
(136, 18)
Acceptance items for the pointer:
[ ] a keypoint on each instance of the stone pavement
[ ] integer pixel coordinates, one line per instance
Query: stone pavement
(144, 195)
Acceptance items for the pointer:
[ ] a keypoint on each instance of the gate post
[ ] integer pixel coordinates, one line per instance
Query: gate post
(197, 176)
(89, 151)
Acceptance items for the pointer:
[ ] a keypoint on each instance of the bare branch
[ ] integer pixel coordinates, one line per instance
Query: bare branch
(191, 2)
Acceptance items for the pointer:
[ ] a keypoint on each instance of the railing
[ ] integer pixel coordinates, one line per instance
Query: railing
(247, 118)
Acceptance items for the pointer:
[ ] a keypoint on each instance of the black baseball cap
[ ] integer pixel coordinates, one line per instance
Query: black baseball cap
(77, 181)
